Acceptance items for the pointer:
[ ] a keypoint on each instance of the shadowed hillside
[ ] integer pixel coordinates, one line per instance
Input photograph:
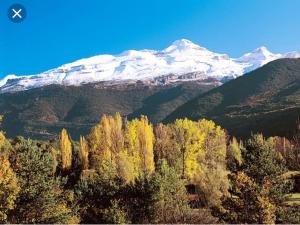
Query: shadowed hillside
(43, 112)
(266, 100)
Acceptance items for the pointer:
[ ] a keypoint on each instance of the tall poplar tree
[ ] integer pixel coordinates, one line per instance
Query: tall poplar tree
(189, 140)
(139, 143)
(66, 150)
(84, 153)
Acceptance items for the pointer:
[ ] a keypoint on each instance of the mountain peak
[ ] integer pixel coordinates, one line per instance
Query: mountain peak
(258, 57)
(181, 45)
(183, 42)
(181, 58)
(262, 50)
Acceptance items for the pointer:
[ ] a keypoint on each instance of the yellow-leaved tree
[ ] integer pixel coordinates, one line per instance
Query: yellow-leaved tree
(146, 140)
(132, 145)
(125, 166)
(9, 188)
(4, 143)
(165, 147)
(106, 141)
(139, 140)
(213, 182)
(189, 141)
(116, 134)
(83, 153)
(66, 150)
(234, 155)
(95, 139)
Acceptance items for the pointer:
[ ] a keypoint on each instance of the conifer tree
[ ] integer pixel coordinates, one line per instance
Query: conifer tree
(260, 189)
(171, 199)
(42, 198)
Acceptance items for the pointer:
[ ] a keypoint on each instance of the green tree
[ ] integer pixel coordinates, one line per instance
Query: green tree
(259, 190)
(261, 163)
(140, 200)
(250, 203)
(115, 214)
(289, 215)
(98, 196)
(171, 204)
(42, 197)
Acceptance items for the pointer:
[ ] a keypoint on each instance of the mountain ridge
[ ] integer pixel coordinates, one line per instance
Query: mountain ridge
(180, 58)
(266, 100)
(41, 113)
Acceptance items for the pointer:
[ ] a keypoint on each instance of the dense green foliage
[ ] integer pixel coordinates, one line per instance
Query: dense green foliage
(42, 198)
(259, 188)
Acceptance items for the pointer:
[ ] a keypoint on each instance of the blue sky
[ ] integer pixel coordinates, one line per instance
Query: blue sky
(56, 32)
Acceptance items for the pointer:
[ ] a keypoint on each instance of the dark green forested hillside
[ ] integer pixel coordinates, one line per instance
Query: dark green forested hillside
(43, 112)
(266, 100)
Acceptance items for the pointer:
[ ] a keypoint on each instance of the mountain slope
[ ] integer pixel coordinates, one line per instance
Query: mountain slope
(266, 100)
(42, 112)
(157, 67)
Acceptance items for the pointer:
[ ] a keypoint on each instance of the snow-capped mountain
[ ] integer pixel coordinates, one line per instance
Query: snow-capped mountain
(258, 58)
(181, 58)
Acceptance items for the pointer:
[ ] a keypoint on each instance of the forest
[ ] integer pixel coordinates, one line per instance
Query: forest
(131, 171)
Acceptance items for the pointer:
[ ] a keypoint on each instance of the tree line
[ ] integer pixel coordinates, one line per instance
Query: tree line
(134, 172)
